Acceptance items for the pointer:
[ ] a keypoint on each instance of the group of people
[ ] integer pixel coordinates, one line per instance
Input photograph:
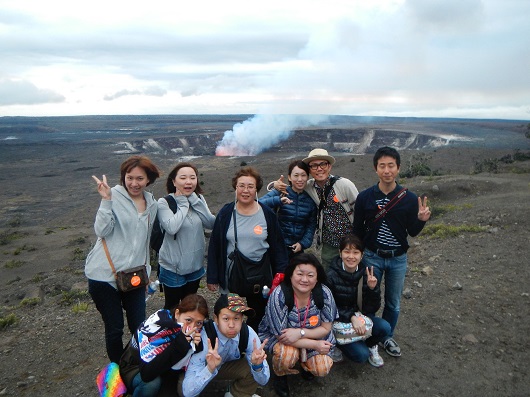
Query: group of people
(312, 305)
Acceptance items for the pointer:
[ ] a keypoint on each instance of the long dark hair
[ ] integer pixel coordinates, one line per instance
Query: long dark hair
(170, 187)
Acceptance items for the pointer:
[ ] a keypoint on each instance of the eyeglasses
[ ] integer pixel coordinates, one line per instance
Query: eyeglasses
(243, 187)
(316, 166)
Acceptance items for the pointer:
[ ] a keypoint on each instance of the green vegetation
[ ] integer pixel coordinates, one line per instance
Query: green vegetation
(19, 250)
(37, 278)
(418, 165)
(439, 210)
(440, 230)
(70, 297)
(13, 264)
(7, 237)
(16, 221)
(81, 307)
(77, 241)
(30, 302)
(8, 320)
(79, 254)
(493, 165)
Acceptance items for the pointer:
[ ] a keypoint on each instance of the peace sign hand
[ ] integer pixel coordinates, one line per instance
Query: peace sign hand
(258, 353)
(371, 280)
(424, 212)
(103, 188)
(213, 359)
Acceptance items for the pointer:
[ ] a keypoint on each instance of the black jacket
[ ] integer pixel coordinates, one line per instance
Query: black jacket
(344, 287)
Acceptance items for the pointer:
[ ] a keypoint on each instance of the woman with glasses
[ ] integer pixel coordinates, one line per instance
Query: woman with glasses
(297, 212)
(258, 234)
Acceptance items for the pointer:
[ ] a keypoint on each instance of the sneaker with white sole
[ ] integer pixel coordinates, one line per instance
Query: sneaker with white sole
(374, 358)
(391, 347)
(228, 394)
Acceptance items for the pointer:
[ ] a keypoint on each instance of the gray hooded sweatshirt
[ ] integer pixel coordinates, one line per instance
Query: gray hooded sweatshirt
(126, 232)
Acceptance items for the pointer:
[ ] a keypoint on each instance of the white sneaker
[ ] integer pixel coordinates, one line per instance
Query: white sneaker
(374, 358)
(228, 394)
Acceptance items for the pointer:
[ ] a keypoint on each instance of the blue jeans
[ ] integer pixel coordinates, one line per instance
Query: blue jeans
(146, 389)
(110, 303)
(394, 270)
(358, 351)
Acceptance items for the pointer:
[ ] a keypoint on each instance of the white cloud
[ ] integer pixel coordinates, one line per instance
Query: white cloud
(439, 57)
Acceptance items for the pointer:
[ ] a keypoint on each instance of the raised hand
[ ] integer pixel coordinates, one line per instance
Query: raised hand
(213, 359)
(280, 185)
(258, 353)
(103, 188)
(371, 280)
(424, 212)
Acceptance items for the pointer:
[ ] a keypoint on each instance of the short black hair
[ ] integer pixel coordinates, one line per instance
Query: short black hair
(304, 259)
(387, 151)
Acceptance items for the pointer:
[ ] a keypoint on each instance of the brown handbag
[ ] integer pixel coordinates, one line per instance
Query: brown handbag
(127, 280)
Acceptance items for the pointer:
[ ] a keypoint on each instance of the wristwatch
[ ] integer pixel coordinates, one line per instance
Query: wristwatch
(302, 333)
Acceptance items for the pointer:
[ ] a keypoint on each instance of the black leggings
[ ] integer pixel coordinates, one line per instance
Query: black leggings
(173, 296)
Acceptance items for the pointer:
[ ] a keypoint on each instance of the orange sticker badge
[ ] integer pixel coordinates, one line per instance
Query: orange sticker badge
(258, 229)
(135, 281)
(335, 199)
(313, 321)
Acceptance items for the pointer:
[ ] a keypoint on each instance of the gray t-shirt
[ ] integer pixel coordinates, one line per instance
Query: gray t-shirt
(251, 237)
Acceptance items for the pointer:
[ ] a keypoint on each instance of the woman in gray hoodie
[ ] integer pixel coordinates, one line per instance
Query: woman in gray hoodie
(181, 256)
(124, 220)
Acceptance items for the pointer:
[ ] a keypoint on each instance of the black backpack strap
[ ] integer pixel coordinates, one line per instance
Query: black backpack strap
(289, 296)
(172, 203)
(318, 295)
(243, 339)
(210, 331)
(322, 204)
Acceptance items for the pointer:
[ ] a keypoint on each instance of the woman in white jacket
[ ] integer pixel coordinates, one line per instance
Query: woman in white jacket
(181, 256)
(124, 219)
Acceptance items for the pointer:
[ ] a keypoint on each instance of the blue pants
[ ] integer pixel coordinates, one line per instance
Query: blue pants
(393, 270)
(110, 304)
(358, 351)
(146, 389)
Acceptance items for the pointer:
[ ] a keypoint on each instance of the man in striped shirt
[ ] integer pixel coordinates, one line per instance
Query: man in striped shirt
(385, 215)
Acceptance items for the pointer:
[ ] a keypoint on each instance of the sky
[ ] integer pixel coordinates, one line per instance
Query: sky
(419, 58)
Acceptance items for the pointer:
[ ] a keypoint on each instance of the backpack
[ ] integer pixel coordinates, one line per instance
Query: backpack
(157, 234)
(212, 334)
(323, 204)
(318, 296)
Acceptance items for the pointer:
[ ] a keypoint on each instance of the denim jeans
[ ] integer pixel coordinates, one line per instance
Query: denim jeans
(110, 303)
(358, 351)
(394, 270)
(146, 389)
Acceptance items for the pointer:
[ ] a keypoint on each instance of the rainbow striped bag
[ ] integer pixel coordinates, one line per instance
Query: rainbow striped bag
(109, 382)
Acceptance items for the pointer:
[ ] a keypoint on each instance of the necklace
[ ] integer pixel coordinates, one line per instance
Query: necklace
(302, 324)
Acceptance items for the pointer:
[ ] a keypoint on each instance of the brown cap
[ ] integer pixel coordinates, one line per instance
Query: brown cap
(232, 302)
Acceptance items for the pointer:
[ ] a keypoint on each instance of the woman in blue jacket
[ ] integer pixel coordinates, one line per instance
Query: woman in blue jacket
(297, 212)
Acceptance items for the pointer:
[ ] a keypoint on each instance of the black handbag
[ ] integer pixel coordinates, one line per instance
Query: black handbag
(247, 277)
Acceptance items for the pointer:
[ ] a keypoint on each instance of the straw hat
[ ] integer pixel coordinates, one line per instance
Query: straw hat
(319, 154)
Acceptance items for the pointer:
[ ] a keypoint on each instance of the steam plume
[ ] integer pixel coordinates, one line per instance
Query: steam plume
(262, 131)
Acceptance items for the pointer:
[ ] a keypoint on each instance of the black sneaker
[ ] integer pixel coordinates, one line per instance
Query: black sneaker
(391, 347)
(306, 374)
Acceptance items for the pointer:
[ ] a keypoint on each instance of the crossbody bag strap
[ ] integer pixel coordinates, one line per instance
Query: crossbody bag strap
(360, 295)
(381, 214)
(107, 253)
(235, 227)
